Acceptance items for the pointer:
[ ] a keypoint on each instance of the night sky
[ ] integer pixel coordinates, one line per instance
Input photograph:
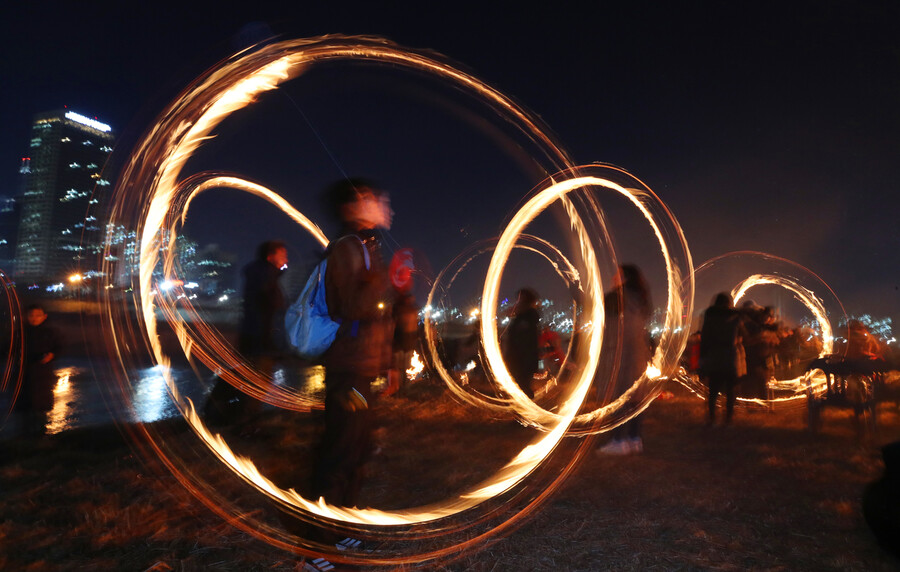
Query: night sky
(773, 127)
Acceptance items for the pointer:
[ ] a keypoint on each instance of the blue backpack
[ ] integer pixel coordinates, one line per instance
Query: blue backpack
(310, 329)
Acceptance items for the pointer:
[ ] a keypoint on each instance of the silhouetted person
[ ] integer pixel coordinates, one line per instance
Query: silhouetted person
(760, 338)
(262, 330)
(406, 330)
(522, 352)
(42, 347)
(690, 359)
(551, 350)
(719, 338)
(260, 338)
(358, 296)
(628, 308)
(788, 352)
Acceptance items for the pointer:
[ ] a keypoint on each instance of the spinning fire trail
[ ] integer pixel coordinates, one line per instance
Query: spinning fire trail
(152, 197)
(809, 289)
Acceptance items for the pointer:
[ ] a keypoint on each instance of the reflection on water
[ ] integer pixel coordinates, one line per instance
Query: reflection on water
(150, 401)
(62, 401)
(79, 399)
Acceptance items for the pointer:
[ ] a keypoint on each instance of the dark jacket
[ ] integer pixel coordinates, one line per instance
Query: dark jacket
(627, 314)
(521, 352)
(360, 300)
(38, 378)
(721, 327)
(261, 331)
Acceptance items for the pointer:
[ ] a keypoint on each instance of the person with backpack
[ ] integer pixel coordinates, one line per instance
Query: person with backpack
(359, 299)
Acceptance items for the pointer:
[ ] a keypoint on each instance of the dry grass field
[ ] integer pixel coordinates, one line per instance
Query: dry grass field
(763, 494)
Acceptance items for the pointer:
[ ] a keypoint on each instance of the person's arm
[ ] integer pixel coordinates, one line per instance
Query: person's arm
(53, 346)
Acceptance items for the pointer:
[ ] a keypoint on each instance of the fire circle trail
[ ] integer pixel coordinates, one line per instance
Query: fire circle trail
(152, 197)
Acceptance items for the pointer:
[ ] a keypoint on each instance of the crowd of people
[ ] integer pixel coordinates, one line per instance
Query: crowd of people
(739, 351)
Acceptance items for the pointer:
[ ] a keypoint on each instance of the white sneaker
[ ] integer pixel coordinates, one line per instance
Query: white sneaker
(615, 447)
(349, 544)
(318, 565)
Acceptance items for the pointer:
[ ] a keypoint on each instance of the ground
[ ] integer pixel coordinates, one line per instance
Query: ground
(763, 494)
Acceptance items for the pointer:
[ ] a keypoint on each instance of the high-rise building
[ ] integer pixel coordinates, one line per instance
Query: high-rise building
(9, 229)
(63, 182)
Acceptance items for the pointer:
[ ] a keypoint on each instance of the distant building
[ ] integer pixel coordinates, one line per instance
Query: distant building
(58, 233)
(9, 229)
(214, 270)
(121, 255)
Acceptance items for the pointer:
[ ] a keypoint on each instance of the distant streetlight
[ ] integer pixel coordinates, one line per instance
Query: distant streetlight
(75, 278)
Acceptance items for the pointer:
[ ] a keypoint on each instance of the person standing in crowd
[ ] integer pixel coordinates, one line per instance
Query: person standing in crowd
(358, 297)
(42, 347)
(721, 354)
(551, 350)
(760, 338)
(628, 309)
(261, 334)
(521, 352)
(861, 344)
(406, 329)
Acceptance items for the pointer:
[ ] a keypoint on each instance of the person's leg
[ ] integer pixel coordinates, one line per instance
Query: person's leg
(713, 384)
(347, 441)
(523, 380)
(729, 399)
(332, 447)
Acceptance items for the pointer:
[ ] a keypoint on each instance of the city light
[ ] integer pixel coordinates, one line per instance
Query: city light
(75, 278)
(93, 123)
(169, 284)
